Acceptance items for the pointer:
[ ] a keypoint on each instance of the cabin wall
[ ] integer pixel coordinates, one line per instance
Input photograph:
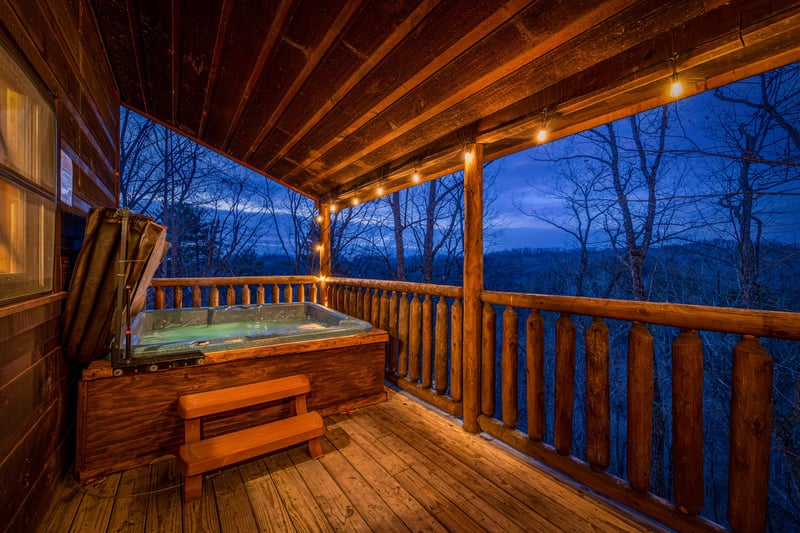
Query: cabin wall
(60, 41)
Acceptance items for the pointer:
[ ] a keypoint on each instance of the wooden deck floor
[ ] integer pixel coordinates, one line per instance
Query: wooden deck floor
(397, 466)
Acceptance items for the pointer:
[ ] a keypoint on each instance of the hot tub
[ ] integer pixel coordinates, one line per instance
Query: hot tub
(214, 329)
(126, 420)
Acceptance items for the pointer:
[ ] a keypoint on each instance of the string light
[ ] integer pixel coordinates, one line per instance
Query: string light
(333, 208)
(415, 177)
(541, 135)
(468, 156)
(675, 87)
(318, 218)
(355, 200)
(379, 190)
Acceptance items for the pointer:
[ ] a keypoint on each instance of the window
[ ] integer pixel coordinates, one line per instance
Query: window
(27, 182)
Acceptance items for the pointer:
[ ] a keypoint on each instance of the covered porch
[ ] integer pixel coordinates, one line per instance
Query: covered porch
(345, 102)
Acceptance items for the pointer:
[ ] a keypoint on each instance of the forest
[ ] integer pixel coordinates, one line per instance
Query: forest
(696, 202)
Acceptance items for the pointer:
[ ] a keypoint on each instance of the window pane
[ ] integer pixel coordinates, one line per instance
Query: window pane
(27, 242)
(27, 127)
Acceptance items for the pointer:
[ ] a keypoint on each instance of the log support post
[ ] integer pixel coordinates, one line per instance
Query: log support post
(473, 282)
(324, 251)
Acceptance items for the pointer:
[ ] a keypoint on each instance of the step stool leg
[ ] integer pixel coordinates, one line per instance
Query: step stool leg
(192, 488)
(315, 448)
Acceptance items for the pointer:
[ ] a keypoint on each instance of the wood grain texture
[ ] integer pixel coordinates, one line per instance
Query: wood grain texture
(139, 411)
(598, 395)
(751, 435)
(565, 384)
(640, 406)
(687, 422)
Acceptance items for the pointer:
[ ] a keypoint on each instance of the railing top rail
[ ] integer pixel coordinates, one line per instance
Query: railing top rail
(778, 324)
(448, 291)
(235, 280)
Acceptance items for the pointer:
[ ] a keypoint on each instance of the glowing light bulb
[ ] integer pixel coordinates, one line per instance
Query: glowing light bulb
(415, 177)
(333, 208)
(541, 135)
(468, 156)
(318, 219)
(379, 191)
(355, 200)
(676, 88)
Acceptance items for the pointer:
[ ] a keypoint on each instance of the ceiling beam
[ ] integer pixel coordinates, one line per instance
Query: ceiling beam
(491, 23)
(312, 60)
(401, 32)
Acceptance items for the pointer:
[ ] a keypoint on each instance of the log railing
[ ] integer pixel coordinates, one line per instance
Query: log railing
(244, 290)
(424, 357)
(750, 409)
(425, 331)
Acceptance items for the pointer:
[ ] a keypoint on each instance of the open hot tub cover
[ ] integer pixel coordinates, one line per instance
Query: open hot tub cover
(87, 323)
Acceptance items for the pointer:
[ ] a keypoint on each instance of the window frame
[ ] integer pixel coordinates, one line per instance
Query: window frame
(39, 189)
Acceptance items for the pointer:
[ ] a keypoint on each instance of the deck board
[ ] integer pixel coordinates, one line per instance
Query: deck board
(396, 466)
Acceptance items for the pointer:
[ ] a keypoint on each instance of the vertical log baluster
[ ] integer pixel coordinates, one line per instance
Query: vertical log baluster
(427, 342)
(276, 294)
(509, 379)
(565, 384)
(488, 359)
(355, 301)
(384, 323)
(230, 296)
(158, 298)
(392, 352)
(288, 297)
(414, 338)
(440, 352)
(751, 435)
(344, 299)
(456, 349)
(687, 422)
(177, 297)
(375, 315)
(598, 396)
(640, 406)
(333, 291)
(301, 292)
(261, 296)
(367, 305)
(245, 294)
(197, 296)
(359, 305)
(213, 296)
(534, 375)
(314, 293)
(402, 336)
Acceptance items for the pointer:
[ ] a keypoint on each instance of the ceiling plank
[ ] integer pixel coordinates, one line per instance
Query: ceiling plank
(213, 71)
(138, 54)
(175, 61)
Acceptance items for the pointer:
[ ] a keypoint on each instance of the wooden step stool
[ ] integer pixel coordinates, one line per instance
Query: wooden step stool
(197, 456)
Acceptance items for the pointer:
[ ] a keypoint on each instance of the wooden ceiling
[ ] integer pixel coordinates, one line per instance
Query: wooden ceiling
(335, 97)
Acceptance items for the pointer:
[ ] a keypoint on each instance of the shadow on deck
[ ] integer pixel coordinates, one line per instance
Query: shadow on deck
(396, 466)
